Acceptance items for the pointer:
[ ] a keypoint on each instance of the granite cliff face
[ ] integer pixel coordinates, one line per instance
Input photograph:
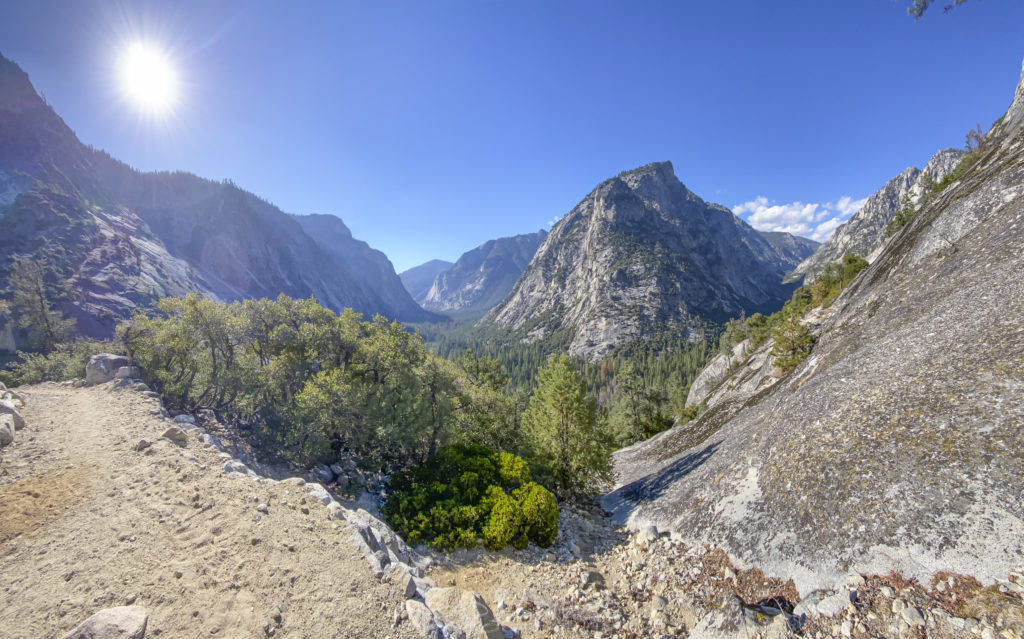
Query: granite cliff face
(897, 444)
(864, 233)
(482, 277)
(121, 239)
(419, 279)
(640, 254)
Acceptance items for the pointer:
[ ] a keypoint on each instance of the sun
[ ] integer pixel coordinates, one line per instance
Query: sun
(148, 79)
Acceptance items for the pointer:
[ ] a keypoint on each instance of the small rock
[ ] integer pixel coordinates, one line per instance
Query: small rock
(125, 622)
(143, 444)
(6, 430)
(322, 473)
(263, 508)
(405, 583)
(176, 435)
(185, 419)
(645, 536)
(7, 408)
(421, 617)
(912, 616)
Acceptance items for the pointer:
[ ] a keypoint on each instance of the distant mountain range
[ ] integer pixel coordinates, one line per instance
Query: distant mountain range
(481, 277)
(419, 279)
(642, 254)
(121, 239)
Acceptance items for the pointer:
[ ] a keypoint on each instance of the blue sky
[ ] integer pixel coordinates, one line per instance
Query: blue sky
(430, 127)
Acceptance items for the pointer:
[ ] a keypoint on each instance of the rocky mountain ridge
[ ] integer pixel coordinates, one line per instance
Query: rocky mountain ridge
(418, 279)
(482, 277)
(121, 239)
(642, 253)
(896, 444)
(865, 232)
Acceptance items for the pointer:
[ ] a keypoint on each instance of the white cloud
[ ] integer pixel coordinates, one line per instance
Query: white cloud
(813, 220)
(554, 220)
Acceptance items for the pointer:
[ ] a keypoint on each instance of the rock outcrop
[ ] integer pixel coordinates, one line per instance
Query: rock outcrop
(864, 233)
(127, 238)
(896, 445)
(642, 254)
(481, 278)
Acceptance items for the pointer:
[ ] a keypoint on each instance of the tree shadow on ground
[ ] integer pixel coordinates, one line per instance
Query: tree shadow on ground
(651, 487)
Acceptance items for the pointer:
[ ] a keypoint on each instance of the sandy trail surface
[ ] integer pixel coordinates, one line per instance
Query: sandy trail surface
(87, 522)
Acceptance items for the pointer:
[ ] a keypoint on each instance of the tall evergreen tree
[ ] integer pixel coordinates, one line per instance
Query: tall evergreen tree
(568, 443)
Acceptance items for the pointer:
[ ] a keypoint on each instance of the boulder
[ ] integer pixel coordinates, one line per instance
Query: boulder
(7, 408)
(465, 609)
(125, 622)
(103, 367)
(6, 430)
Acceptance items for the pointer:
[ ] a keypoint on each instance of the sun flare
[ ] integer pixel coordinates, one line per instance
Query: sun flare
(148, 78)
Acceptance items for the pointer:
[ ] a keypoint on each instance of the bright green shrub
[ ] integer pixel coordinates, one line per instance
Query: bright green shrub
(465, 493)
(539, 512)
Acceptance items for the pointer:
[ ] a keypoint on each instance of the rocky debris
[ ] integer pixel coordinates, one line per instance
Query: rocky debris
(103, 367)
(465, 609)
(7, 408)
(125, 622)
(642, 254)
(143, 444)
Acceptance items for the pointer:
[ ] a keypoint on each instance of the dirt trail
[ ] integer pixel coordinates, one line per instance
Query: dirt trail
(88, 523)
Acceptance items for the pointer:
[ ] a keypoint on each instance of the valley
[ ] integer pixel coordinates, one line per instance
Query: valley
(658, 417)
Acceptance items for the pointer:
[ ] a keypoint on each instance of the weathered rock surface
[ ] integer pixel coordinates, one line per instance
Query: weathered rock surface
(467, 610)
(864, 233)
(124, 622)
(896, 445)
(482, 277)
(716, 371)
(103, 367)
(641, 254)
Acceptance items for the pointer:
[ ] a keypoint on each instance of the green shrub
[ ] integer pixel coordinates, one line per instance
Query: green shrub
(466, 493)
(66, 361)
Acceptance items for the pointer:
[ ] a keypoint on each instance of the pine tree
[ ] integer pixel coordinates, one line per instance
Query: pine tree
(569, 444)
(46, 327)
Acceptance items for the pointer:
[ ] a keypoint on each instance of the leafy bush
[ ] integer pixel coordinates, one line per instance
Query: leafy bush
(465, 493)
(312, 383)
(66, 361)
